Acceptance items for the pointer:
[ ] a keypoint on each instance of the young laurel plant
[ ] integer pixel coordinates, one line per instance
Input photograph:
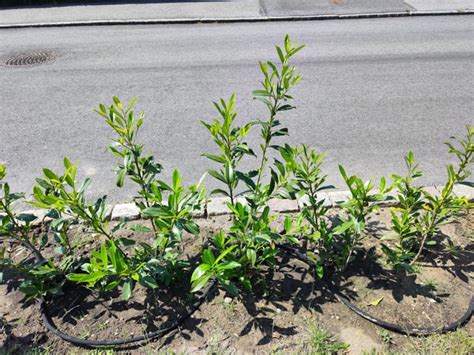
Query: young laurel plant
(421, 214)
(169, 207)
(67, 205)
(250, 242)
(405, 216)
(41, 277)
(231, 142)
(307, 181)
(350, 231)
(441, 209)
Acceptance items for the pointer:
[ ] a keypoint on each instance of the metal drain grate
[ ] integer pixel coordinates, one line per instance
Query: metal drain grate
(30, 58)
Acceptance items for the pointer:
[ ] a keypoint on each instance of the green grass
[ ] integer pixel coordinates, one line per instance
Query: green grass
(322, 342)
(454, 343)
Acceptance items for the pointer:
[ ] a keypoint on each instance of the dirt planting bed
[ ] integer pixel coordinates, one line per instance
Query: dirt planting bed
(278, 317)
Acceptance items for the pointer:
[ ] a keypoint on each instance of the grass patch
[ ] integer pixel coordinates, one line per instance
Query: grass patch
(458, 342)
(322, 342)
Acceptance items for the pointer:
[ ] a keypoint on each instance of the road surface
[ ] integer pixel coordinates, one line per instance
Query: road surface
(371, 90)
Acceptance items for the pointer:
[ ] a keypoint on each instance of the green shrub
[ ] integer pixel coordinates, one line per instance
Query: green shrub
(307, 180)
(169, 208)
(41, 276)
(251, 242)
(420, 214)
(119, 261)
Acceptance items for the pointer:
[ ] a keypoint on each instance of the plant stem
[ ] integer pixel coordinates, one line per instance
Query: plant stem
(351, 250)
(232, 165)
(267, 136)
(24, 234)
(315, 211)
(141, 179)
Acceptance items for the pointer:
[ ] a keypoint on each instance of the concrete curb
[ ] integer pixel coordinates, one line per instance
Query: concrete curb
(218, 206)
(239, 19)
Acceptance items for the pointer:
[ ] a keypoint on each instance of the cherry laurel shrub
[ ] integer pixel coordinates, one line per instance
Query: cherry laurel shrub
(168, 206)
(420, 214)
(237, 255)
(118, 261)
(330, 247)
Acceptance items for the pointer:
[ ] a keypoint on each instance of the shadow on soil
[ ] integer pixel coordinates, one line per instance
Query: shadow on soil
(291, 282)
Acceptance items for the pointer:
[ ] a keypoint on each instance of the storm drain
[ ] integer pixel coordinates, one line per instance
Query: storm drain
(30, 58)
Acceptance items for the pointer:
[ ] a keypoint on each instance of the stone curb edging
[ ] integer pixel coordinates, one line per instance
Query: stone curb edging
(238, 19)
(218, 206)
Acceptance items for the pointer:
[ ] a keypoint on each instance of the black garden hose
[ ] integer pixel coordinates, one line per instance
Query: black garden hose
(387, 325)
(48, 322)
(406, 330)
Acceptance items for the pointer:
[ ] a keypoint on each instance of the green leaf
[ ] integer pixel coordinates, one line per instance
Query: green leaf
(261, 93)
(91, 278)
(3, 171)
(251, 256)
(219, 159)
(219, 239)
(67, 163)
(131, 103)
(125, 242)
(85, 185)
(288, 223)
(148, 281)
(127, 290)
(280, 54)
(116, 257)
(340, 229)
(285, 108)
(157, 211)
(200, 283)
(223, 254)
(208, 257)
(50, 175)
(26, 217)
(219, 192)
(110, 286)
(263, 237)
(191, 227)
(319, 271)
(217, 175)
(245, 281)
(176, 180)
(201, 270)
(229, 265)
(121, 177)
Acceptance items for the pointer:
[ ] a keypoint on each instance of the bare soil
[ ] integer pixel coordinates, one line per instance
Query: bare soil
(278, 318)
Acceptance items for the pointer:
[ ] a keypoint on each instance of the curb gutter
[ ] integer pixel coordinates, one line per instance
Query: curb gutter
(238, 19)
(218, 206)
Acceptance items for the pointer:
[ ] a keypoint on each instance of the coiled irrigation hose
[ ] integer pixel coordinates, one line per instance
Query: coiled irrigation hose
(387, 325)
(48, 322)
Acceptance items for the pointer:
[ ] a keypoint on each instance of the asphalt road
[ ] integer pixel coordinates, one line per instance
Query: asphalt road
(372, 90)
